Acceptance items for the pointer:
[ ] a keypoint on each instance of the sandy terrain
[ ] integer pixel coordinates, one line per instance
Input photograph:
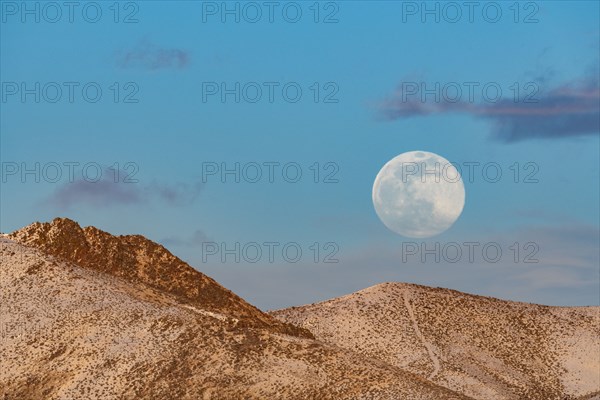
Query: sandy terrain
(483, 347)
(81, 332)
(88, 315)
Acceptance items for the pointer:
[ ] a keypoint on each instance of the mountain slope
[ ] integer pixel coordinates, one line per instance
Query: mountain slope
(483, 347)
(137, 259)
(92, 331)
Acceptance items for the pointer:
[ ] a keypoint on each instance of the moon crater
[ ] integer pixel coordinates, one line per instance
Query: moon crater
(418, 194)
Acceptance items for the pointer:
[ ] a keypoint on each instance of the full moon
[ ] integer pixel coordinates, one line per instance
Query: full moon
(418, 194)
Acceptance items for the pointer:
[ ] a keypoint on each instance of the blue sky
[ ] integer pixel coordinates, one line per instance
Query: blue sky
(166, 60)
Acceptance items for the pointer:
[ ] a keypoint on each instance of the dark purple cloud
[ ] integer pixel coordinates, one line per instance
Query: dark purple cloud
(152, 57)
(105, 192)
(569, 110)
(98, 194)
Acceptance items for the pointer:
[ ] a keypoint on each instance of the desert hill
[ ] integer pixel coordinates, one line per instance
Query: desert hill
(482, 347)
(137, 259)
(87, 315)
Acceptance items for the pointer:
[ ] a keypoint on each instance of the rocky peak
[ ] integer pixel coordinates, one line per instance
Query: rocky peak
(137, 259)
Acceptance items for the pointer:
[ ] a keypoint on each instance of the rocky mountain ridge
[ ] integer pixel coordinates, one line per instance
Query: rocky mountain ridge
(85, 314)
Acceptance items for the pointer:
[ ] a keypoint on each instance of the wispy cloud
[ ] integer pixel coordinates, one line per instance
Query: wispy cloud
(105, 193)
(148, 55)
(98, 194)
(572, 109)
(174, 194)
